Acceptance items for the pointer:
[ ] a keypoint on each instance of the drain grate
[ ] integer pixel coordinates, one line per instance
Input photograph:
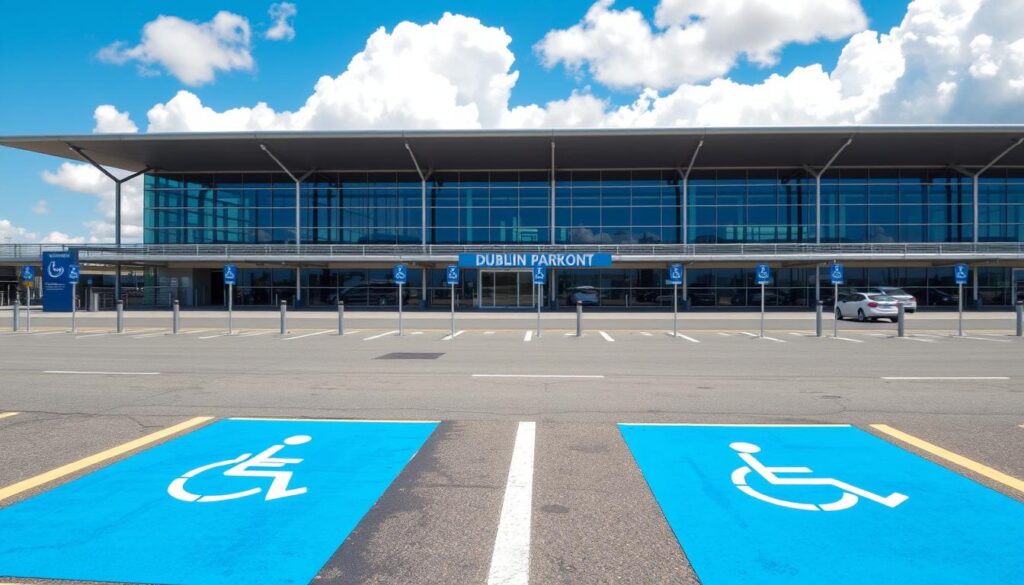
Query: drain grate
(409, 356)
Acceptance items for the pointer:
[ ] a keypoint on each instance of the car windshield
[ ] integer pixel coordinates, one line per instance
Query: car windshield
(882, 298)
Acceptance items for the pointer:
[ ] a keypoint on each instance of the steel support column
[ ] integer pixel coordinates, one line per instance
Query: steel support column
(552, 202)
(685, 203)
(817, 188)
(423, 194)
(298, 217)
(974, 188)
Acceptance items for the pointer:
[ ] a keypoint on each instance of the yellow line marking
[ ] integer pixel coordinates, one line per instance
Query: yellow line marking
(5, 415)
(993, 474)
(33, 482)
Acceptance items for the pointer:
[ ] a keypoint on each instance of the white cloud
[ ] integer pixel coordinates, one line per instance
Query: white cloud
(110, 120)
(692, 40)
(282, 29)
(10, 233)
(41, 207)
(192, 52)
(86, 179)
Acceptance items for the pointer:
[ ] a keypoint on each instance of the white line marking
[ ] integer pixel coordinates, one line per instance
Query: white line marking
(214, 335)
(912, 338)
(82, 373)
(878, 334)
(510, 562)
(848, 339)
(724, 334)
(49, 332)
(646, 334)
(538, 375)
(416, 333)
(983, 339)
(606, 336)
(450, 337)
(528, 336)
(256, 333)
(568, 334)
(157, 334)
(379, 335)
(488, 333)
(774, 339)
(687, 338)
(308, 335)
(90, 335)
(945, 377)
(796, 334)
(193, 331)
(748, 333)
(925, 335)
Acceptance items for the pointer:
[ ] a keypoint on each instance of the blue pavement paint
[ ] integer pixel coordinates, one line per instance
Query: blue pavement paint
(168, 515)
(896, 518)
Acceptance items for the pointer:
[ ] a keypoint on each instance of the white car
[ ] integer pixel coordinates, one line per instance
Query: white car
(866, 305)
(909, 301)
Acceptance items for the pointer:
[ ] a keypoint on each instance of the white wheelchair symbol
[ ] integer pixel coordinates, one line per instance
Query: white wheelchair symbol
(837, 273)
(247, 465)
(961, 272)
(676, 273)
(762, 272)
(851, 494)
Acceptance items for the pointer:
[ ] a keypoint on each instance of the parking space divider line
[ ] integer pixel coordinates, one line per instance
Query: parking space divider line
(7, 414)
(54, 474)
(606, 337)
(379, 335)
(510, 561)
(308, 335)
(979, 468)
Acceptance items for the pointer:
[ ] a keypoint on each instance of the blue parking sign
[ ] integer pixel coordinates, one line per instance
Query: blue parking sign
(540, 274)
(763, 274)
(675, 274)
(28, 273)
(837, 273)
(400, 273)
(230, 274)
(960, 272)
(453, 274)
(73, 274)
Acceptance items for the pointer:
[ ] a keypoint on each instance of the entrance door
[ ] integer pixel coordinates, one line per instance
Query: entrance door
(506, 289)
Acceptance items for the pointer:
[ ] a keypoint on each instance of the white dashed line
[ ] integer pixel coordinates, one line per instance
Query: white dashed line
(528, 336)
(379, 335)
(308, 335)
(510, 561)
(606, 336)
(450, 337)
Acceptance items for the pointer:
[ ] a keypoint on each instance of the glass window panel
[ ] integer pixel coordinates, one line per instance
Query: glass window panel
(646, 216)
(615, 196)
(586, 216)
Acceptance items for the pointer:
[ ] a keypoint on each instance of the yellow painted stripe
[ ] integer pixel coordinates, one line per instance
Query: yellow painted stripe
(980, 469)
(7, 414)
(33, 482)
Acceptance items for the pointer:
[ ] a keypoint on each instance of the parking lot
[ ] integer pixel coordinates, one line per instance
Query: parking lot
(501, 456)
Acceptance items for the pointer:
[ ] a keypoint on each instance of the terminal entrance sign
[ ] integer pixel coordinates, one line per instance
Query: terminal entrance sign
(529, 260)
(812, 504)
(238, 501)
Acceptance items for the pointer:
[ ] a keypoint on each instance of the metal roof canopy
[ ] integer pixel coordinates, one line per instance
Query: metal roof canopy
(971, 146)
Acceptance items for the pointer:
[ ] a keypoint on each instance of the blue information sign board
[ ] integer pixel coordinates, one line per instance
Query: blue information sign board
(960, 272)
(763, 274)
(400, 273)
(57, 281)
(837, 272)
(453, 275)
(675, 274)
(529, 260)
(230, 274)
(540, 274)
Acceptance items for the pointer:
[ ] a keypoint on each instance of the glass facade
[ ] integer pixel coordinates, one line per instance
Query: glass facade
(591, 207)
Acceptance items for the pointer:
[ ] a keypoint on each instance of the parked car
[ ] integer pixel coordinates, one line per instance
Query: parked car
(867, 305)
(587, 295)
(372, 293)
(909, 301)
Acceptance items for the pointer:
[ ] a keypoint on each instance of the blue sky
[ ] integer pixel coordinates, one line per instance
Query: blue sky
(55, 78)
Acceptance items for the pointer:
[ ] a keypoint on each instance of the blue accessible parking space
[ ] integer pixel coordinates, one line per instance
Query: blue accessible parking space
(239, 501)
(823, 504)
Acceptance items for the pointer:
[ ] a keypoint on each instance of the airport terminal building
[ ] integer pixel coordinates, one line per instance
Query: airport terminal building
(315, 217)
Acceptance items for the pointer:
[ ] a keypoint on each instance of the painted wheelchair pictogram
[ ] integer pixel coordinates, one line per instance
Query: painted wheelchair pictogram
(262, 465)
(850, 493)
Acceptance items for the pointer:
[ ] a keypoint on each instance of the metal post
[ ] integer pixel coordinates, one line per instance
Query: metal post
(120, 316)
(835, 311)
(817, 320)
(540, 300)
(17, 314)
(960, 318)
(900, 312)
(762, 310)
(1020, 318)
(284, 317)
(74, 308)
(675, 310)
(579, 318)
(175, 317)
(231, 301)
(453, 313)
(28, 310)
(341, 318)
(401, 330)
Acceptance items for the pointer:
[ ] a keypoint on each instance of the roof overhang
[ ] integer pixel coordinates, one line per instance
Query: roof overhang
(969, 147)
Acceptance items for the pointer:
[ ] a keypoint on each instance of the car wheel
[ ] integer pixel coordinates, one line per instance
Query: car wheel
(839, 314)
(894, 319)
(860, 315)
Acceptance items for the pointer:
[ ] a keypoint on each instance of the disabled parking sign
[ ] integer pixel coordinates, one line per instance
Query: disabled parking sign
(675, 274)
(960, 272)
(452, 274)
(540, 274)
(812, 504)
(763, 274)
(239, 501)
(400, 273)
(837, 273)
(28, 274)
(230, 274)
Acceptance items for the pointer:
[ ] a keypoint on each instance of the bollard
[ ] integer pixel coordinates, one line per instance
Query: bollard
(341, 317)
(120, 316)
(17, 315)
(28, 311)
(1020, 318)
(175, 317)
(900, 312)
(284, 317)
(74, 311)
(817, 319)
(579, 318)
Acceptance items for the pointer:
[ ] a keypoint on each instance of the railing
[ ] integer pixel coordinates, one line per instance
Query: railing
(33, 252)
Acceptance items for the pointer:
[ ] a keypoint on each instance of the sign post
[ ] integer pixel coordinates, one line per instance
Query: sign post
(675, 276)
(452, 272)
(837, 272)
(540, 277)
(73, 276)
(960, 272)
(400, 273)
(28, 275)
(764, 276)
(230, 277)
